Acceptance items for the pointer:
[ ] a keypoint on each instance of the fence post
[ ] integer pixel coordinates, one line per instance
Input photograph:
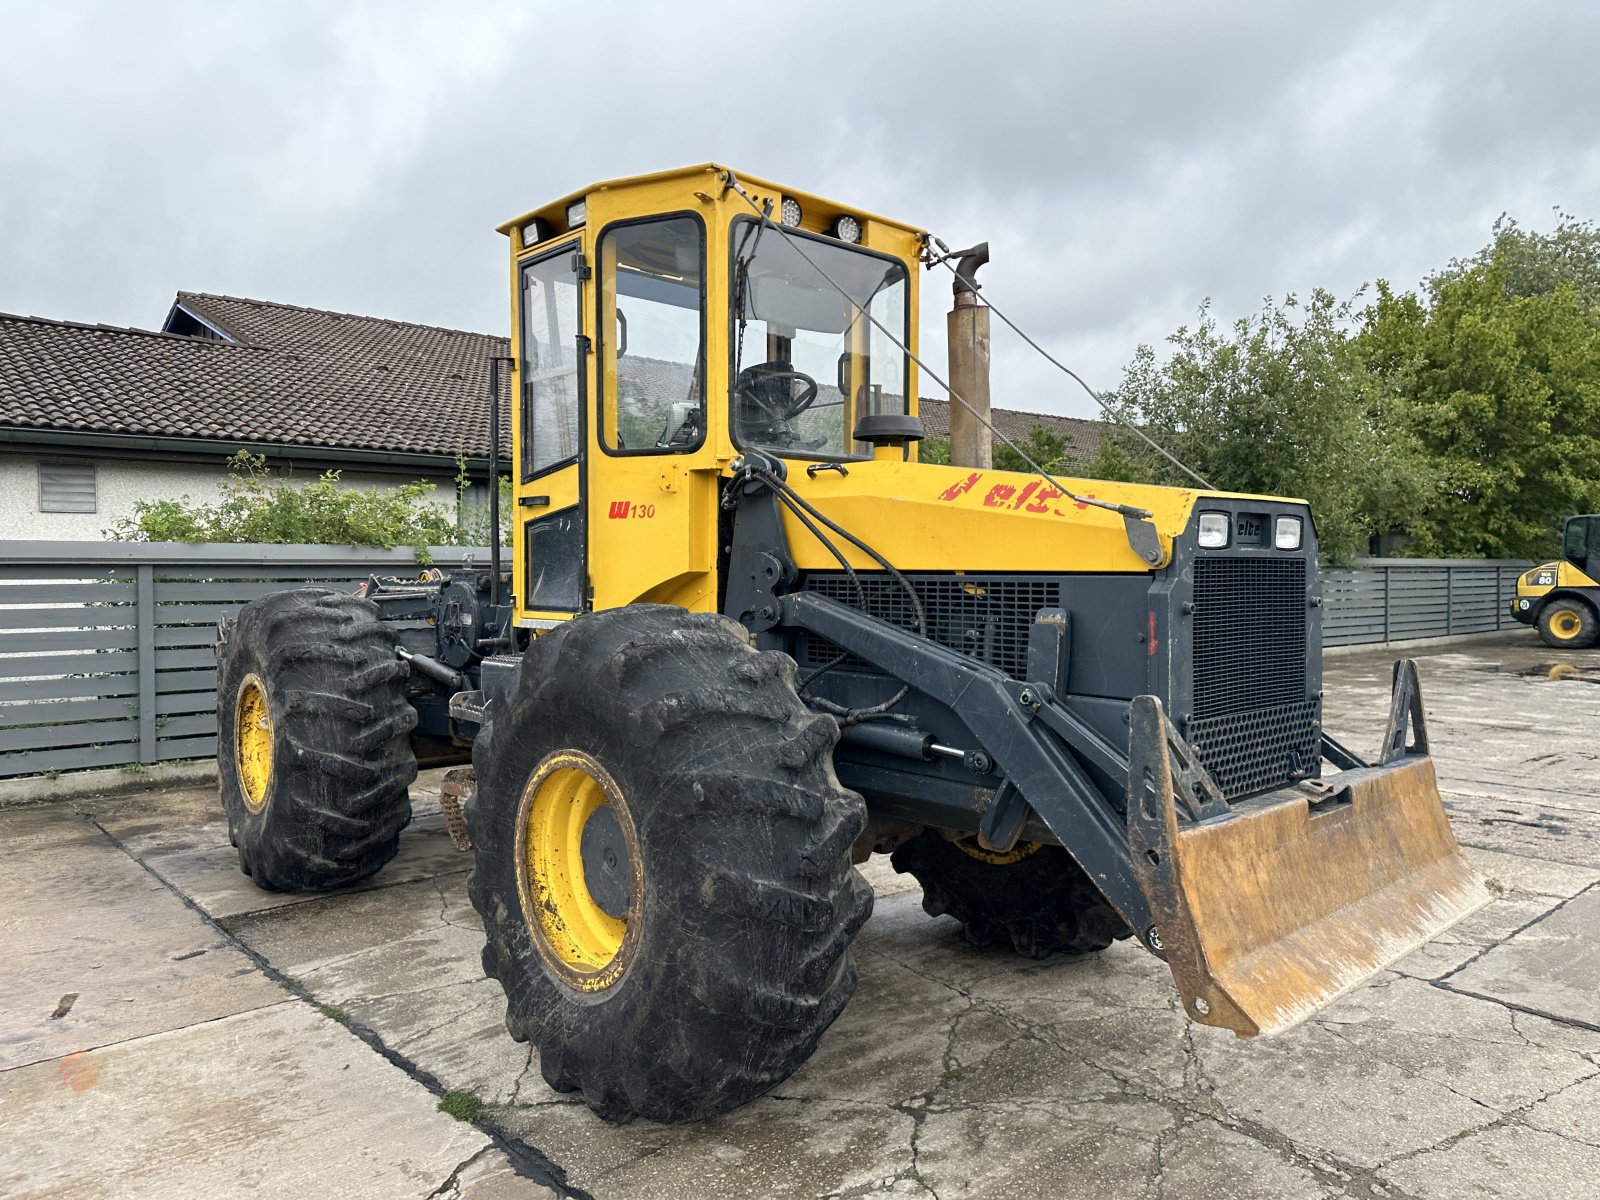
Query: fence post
(1449, 600)
(1386, 604)
(146, 607)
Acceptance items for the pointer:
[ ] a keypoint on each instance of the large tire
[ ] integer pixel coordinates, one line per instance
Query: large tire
(730, 949)
(1035, 897)
(317, 798)
(1568, 624)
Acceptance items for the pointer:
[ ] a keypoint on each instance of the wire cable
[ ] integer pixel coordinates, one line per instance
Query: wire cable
(1124, 510)
(944, 259)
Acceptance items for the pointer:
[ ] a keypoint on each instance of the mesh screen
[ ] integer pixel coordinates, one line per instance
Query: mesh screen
(1253, 727)
(983, 617)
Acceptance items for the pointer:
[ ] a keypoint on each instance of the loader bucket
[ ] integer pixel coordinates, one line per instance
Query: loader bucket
(1268, 913)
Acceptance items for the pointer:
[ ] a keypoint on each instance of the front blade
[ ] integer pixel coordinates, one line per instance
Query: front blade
(1270, 913)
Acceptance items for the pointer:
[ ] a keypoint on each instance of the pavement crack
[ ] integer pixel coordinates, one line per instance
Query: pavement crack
(526, 1160)
(1529, 924)
(448, 1187)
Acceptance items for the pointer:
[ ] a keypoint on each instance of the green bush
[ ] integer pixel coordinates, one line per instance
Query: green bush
(258, 505)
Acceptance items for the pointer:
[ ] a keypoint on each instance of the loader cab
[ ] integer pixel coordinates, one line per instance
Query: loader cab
(1580, 544)
(661, 328)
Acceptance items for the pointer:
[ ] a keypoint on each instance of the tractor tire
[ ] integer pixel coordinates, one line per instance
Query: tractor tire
(1568, 625)
(1035, 897)
(313, 749)
(663, 863)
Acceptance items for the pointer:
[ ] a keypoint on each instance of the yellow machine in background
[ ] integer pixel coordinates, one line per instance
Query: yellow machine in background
(753, 640)
(1562, 599)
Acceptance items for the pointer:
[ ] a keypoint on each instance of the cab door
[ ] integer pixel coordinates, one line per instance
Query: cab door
(550, 522)
(652, 488)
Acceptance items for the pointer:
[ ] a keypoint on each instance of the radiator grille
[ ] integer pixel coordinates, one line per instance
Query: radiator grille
(1257, 751)
(984, 617)
(1254, 728)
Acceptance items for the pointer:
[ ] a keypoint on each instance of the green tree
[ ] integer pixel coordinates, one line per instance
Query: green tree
(259, 506)
(1496, 371)
(1046, 447)
(1280, 403)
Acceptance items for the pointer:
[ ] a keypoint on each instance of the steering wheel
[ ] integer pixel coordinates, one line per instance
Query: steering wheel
(769, 388)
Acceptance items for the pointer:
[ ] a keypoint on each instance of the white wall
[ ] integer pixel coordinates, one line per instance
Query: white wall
(119, 482)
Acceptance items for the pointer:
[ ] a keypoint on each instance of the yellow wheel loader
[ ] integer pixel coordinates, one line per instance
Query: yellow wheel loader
(1562, 599)
(747, 640)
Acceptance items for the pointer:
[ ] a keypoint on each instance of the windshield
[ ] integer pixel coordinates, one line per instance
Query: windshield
(806, 363)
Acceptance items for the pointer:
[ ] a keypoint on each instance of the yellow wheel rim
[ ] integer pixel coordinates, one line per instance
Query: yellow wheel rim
(1017, 853)
(252, 742)
(1565, 625)
(586, 946)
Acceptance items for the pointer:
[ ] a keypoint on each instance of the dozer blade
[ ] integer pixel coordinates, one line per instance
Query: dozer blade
(1269, 913)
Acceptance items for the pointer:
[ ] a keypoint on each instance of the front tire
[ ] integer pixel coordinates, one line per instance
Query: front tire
(1035, 897)
(313, 749)
(1568, 625)
(663, 865)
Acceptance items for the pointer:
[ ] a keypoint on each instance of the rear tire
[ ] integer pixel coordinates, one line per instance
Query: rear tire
(1036, 898)
(1568, 624)
(313, 749)
(723, 951)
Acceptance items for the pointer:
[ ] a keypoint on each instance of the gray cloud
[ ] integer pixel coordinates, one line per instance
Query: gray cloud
(1124, 161)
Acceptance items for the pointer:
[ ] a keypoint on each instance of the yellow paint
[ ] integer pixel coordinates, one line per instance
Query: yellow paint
(652, 518)
(1565, 625)
(582, 943)
(1547, 577)
(252, 741)
(998, 858)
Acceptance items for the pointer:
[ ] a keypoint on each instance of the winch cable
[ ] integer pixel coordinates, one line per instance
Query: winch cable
(944, 259)
(1126, 511)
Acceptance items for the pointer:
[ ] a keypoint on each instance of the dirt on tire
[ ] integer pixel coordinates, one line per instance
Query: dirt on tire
(1041, 902)
(748, 901)
(337, 794)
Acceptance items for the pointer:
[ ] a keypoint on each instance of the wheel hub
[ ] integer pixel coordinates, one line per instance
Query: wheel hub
(253, 737)
(578, 870)
(605, 862)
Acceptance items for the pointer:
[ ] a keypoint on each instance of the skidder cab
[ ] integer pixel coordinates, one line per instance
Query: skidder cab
(754, 640)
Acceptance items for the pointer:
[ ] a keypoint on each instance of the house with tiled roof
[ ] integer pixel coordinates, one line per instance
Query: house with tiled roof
(93, 417)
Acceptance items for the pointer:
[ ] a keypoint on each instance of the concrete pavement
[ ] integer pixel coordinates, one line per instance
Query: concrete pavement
(222, 1039)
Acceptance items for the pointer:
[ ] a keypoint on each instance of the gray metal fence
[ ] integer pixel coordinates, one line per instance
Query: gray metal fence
(1398, 599)
(106, 649)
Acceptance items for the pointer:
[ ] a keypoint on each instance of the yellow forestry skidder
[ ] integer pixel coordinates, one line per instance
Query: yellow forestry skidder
(747, 640)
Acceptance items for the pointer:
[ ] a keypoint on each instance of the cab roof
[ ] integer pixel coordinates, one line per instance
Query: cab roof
(807, 199)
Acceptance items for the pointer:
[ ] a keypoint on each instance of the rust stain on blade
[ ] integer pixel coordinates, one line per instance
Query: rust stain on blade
(1271, 913)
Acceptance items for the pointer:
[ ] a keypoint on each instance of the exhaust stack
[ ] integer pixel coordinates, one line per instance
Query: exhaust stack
(971, 444)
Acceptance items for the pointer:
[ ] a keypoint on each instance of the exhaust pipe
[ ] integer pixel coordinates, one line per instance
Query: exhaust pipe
(971, 443)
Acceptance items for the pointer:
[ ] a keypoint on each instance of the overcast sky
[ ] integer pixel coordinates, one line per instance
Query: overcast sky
(1124, 161)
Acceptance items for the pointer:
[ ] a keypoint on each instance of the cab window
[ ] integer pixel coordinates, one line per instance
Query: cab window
(808, 364)
(550, 387)
(652, 336)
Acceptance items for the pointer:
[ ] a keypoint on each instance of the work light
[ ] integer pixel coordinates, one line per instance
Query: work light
(1287, 534)
(789, 212)
(534, 232)
(847, 229)
(1213, 530)
(575, 214)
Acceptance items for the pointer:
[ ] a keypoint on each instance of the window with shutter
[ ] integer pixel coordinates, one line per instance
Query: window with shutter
(66, 487)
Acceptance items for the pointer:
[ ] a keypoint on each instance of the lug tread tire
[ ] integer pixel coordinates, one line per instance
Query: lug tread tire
(1588, 624)
(750, 902)
(339, 792)
(1041, 905)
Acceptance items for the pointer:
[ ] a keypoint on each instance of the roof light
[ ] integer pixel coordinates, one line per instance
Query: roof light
(534, 232)
(1213, 530)
(1287, 534)
(789, 212)
(847, 229)
(576, 213)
